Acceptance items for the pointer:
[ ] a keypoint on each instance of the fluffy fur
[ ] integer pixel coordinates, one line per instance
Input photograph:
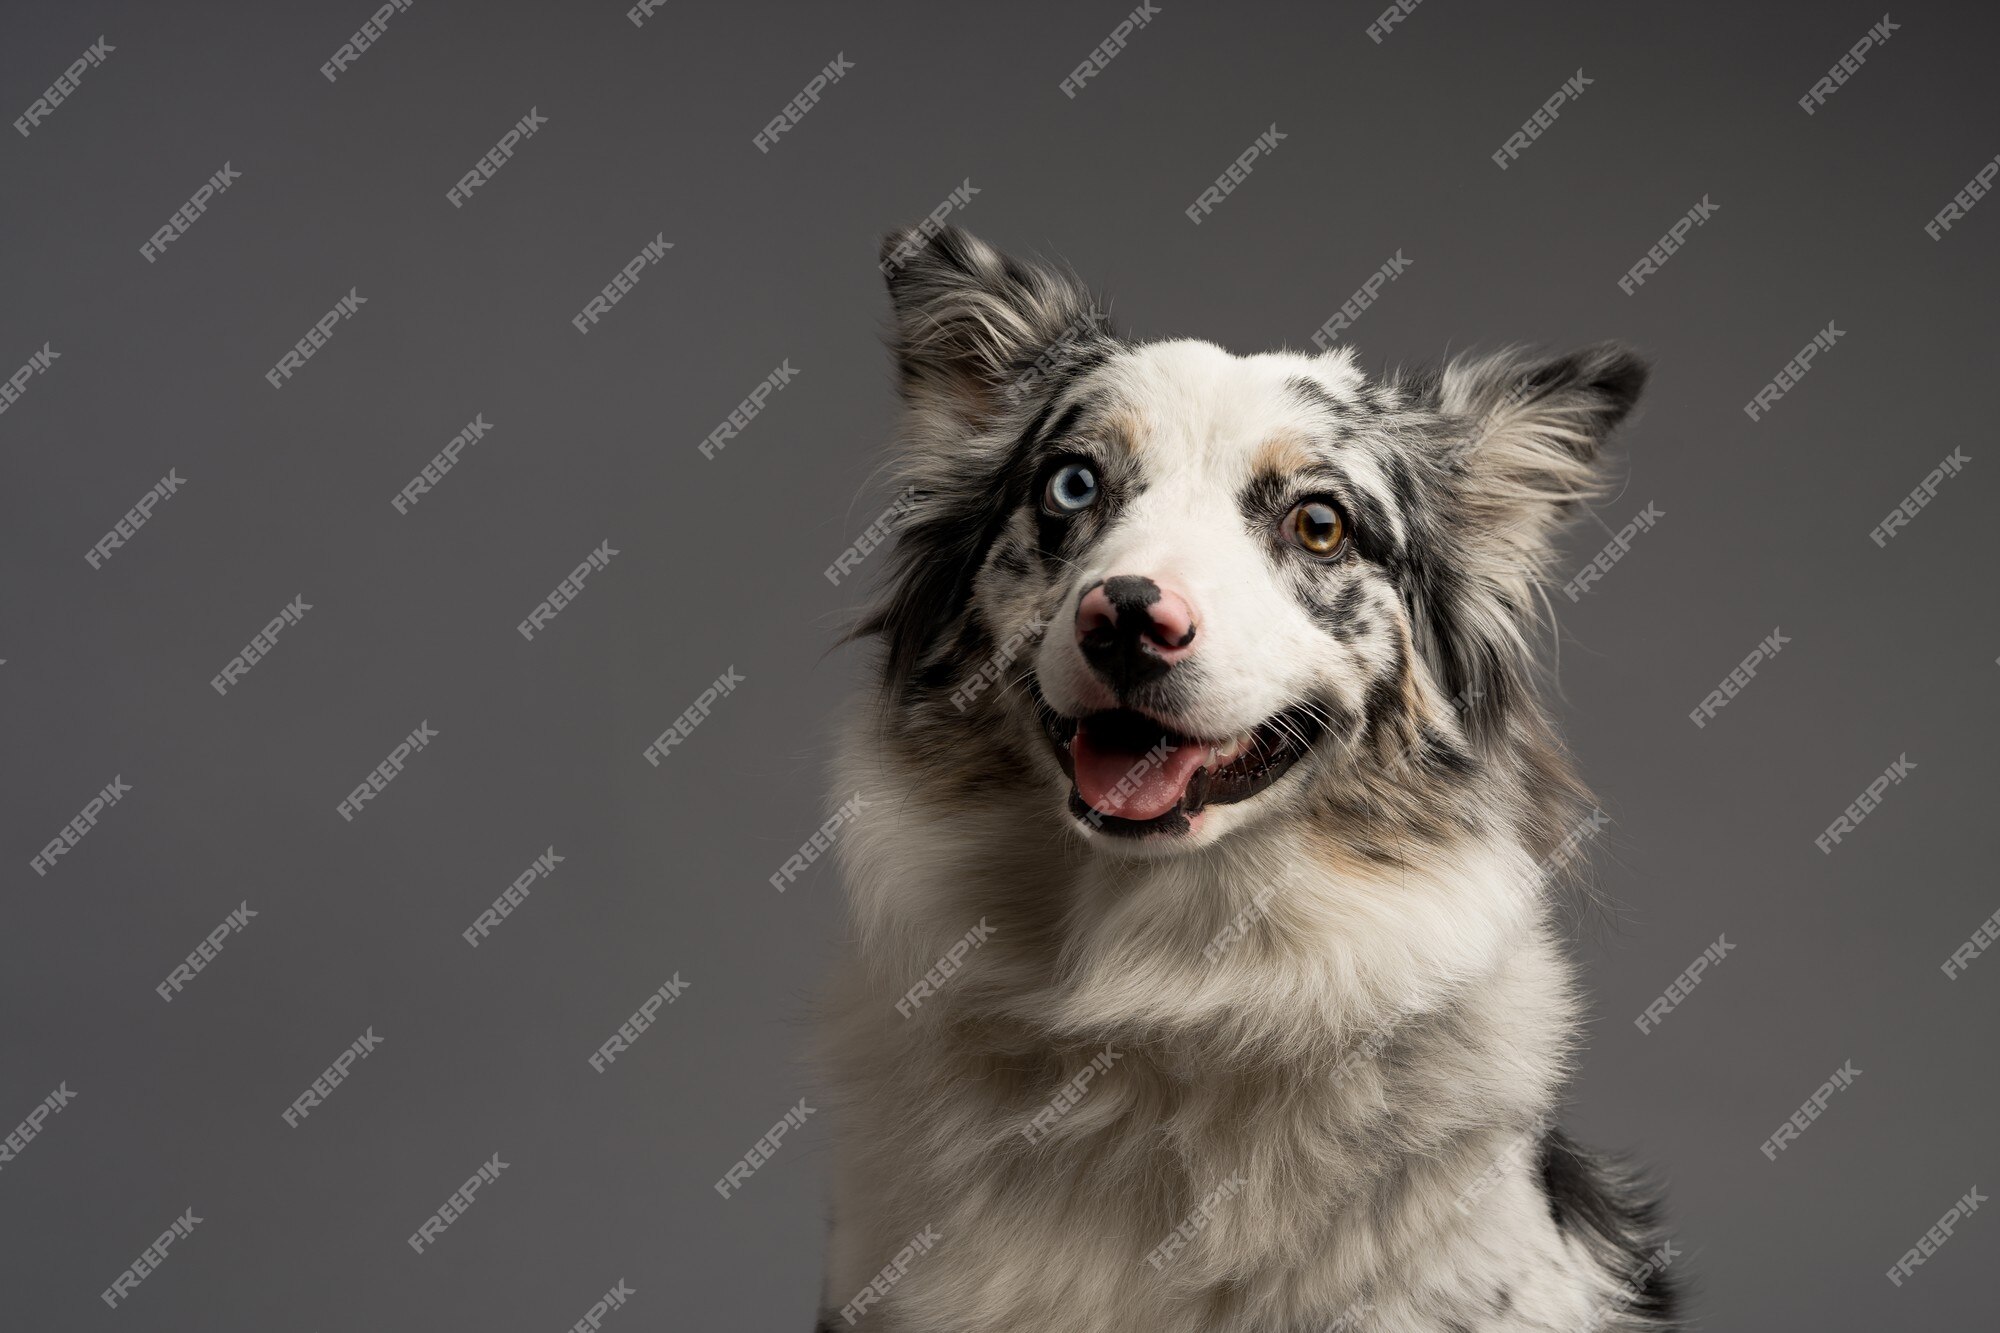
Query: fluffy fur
(1367, 1062)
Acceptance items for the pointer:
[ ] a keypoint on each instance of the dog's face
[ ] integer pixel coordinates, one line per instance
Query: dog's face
(1217, 588)
(1219, 607)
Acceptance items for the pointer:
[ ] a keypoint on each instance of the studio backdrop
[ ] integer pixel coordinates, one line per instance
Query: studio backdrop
(440, 453)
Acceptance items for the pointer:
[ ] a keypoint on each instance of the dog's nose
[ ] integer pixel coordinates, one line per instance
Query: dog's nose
(1131, 629)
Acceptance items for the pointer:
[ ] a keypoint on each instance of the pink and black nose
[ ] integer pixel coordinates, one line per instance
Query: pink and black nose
(1131, 629)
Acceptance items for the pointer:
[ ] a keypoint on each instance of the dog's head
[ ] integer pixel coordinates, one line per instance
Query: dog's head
(1180, 590)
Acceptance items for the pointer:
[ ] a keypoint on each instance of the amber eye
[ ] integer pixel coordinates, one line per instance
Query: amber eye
(1316, 526)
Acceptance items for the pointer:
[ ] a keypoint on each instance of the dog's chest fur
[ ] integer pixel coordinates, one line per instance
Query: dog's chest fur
(1108, 1124)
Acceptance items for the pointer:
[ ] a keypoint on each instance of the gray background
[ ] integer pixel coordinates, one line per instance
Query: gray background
(594, 437)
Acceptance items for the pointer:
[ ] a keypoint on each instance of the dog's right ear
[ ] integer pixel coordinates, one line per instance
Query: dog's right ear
(975, 331)
(983, 343)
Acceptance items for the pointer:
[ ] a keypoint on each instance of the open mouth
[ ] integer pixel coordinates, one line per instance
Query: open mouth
(1132, 776)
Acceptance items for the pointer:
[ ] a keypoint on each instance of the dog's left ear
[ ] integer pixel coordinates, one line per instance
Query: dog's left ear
(1533, 429)
(974, 327)
(1523, 435)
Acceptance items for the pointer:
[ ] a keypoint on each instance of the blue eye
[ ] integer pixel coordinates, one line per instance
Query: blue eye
(1071, 489)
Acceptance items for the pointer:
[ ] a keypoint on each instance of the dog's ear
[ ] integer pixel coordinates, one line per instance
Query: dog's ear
(1522, 438)
(983, 346)
(975, 330)
(1529, 434)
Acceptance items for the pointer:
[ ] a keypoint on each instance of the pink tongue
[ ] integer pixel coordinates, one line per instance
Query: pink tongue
(1134, 786)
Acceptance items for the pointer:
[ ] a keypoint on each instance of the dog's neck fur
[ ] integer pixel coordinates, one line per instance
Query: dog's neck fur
(1340, 1064)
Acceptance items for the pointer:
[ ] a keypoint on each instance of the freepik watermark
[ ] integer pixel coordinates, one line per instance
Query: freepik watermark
(795, 110)
(135, 518)
(30, 1128)
(1052, 354)
(446, 459)
(924, 232)
(623, 281)
(1350, 1319)
(634, 1027)
(18, 382)
(331, 1077)
(609, 1303)
(1984, 935)
(1419, 746)
(149, 1259)
(1364, 296)
(695, 714)
(260, 645)
(433, 1227)
(1792, 372)
(1196, 1222)
(737, 1176)
(996, 666)
(1238, 928)
(1512, 1157)
(1069, 1095)
(747, 410)
(1564, 853)
(1810, 1110)
(1109, 49)
(292, 362)
(1369, 1048)
(892, 1273)
(1679, 988)
(366, 36)
(1933, 1240)
(1664, 249)
(1614, 551)
(1631, 1289)
(1238, 172)
(496, 157)
(1961, 203)
(1525, 892)
(206, 952)
(1864, 804)
(185, 216)
(818, 844)
(872, 536)
(1542, 121)
(1848, 65)
(1132, 779)
(944, 969)
(1738, 679)
(387, 771)
(1913, 503)
(86, 819)
(59, 92)
(1390, 17)
(642, 11)
(567, 591)
(516, 893)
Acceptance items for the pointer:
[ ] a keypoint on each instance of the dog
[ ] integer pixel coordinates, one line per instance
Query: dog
(1206, 837)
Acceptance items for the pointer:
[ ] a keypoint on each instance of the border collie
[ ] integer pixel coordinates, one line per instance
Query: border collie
(1206, 975)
